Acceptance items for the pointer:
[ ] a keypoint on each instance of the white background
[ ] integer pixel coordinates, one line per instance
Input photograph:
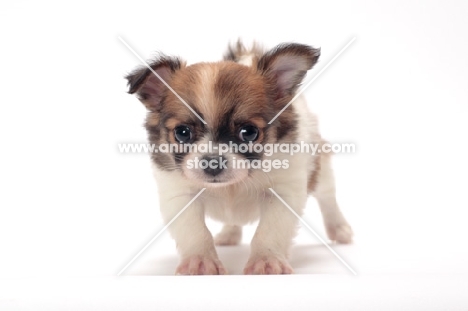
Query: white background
(72, 206)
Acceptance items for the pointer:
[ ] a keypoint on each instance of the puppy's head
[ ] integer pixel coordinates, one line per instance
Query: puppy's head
(201, 107)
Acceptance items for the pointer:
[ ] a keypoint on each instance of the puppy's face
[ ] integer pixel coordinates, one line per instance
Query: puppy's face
(235, 102)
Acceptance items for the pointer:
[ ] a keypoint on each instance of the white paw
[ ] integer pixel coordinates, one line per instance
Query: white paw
(200, 265)
(230, 235)
(267, 265)
(341, 233)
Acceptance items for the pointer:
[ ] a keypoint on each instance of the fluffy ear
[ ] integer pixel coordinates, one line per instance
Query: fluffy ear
(287, 65)
(147, 86)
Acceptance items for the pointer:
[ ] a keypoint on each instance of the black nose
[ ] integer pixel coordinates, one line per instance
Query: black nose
(213, 165)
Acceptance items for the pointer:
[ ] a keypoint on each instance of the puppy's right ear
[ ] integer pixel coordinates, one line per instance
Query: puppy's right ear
(150, 88)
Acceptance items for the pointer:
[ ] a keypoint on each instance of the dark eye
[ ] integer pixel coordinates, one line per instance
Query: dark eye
(182, 134)
(248, 133)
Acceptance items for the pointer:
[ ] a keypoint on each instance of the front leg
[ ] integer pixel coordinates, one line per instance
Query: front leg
(276, 229)
(194, 240)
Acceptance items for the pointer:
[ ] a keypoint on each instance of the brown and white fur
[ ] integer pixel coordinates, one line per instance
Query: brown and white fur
(248, 88)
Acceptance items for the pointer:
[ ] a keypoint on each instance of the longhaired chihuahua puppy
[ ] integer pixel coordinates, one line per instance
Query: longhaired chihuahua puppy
(232, 103)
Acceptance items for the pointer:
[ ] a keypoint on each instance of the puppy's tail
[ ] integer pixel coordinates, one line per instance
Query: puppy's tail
(239, 53)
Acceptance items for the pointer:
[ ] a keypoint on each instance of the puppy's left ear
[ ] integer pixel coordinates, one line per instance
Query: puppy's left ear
(286, 65)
